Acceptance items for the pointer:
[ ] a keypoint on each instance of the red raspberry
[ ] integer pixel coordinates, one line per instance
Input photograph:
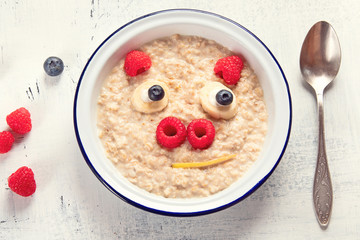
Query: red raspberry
(6, 141)
(229, 69)
(200, 133)
(22, 182)
(171, 132)
(136, 62)
(19, 121)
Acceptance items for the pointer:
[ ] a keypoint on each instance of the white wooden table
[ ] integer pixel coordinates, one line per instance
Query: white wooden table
(70, 203)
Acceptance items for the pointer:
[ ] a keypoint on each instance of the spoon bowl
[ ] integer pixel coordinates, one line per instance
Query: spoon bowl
(320, 55)
(320, 59)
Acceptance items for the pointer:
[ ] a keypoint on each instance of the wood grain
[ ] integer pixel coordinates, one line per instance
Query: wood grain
(70, 203)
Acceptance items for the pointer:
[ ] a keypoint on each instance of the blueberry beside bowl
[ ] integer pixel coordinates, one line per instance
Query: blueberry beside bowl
(53, 66)
(186, 22)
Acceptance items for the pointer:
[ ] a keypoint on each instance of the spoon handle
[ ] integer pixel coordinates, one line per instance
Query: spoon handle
(322, 190)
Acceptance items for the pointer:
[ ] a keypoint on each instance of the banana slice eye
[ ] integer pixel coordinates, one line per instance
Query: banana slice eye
(150, 96)
(218, 100)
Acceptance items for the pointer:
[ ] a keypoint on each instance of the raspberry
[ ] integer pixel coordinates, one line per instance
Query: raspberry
(136, 62)
(6, 141)
(200, 133)
(170, 132)
(19, 121)
(229, 69)
(22, 182)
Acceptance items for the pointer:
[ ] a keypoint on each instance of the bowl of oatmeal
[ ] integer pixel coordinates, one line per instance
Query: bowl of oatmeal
(119, 119)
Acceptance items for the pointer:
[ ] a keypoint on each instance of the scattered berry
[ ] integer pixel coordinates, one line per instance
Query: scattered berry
(53, 66)
(200, 133)
(22, 182)
(136, 62)
(170, 132)
(6, 141)
(229, 69)
(19, 121)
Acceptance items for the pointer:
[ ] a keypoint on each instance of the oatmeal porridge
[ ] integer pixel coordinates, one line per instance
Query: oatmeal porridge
(185, 64)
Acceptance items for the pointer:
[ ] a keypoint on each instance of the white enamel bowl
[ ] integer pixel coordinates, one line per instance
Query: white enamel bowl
(188, 22)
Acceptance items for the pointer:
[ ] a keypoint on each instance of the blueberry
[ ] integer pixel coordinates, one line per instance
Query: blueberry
(224, 97)
(53, 66)
(156, 93)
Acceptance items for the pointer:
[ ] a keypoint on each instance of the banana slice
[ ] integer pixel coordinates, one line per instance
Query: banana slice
(218, 100)
(150, 96)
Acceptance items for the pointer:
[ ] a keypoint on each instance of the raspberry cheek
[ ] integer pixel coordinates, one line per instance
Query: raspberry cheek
(201, 133)
(170, 132)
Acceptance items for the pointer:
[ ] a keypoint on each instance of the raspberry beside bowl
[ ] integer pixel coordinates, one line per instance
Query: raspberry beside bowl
(187, 22)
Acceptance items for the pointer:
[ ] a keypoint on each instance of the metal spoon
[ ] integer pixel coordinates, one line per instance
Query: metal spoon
(320, 59)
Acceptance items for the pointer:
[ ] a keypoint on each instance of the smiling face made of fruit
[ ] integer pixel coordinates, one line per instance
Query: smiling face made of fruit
(217, 100)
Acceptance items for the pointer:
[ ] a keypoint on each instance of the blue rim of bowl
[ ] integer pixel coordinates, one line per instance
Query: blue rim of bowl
(161, 212)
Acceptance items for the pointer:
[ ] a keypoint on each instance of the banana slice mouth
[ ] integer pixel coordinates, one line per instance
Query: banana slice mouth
(218, 100)
(150, 96)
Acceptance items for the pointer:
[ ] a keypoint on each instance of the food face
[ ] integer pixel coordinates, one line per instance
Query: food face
(186, 125)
